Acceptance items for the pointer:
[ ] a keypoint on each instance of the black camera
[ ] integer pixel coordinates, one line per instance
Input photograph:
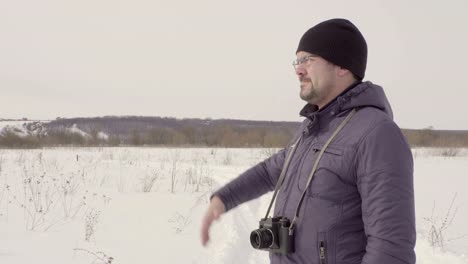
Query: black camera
(273, 235)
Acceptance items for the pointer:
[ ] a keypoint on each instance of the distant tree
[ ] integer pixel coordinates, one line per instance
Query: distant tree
(114, 140)
(136, 138)
(9, 139)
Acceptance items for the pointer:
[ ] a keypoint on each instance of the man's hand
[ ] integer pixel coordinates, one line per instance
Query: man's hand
(214, 211)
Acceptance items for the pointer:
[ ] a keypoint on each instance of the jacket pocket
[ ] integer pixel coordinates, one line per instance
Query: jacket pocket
(329, 150)
(326, 182)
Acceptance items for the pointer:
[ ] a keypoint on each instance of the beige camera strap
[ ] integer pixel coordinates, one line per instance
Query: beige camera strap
(283, 174)
(286, 165)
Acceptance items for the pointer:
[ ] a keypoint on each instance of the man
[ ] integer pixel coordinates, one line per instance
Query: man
(359, 206)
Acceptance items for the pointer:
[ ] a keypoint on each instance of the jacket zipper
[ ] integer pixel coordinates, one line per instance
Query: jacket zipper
(322, 253)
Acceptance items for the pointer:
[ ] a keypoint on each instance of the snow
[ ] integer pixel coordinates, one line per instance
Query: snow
(76, 130)
(17, 123)
(22, 128)
(104, 206)
(14, 126)
(102, 135)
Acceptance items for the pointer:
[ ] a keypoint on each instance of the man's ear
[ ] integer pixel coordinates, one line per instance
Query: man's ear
(342, 71)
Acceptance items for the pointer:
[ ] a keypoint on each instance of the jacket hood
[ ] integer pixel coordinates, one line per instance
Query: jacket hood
(365, 94)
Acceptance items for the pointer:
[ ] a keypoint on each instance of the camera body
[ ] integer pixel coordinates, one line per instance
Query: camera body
(273, 235)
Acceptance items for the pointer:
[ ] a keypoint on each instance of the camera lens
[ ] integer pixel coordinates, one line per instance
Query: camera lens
(261, 238)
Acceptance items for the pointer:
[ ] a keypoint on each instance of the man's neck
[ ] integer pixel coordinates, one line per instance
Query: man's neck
(342, 91)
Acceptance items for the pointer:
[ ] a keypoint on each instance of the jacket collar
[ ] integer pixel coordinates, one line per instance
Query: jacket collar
(312, 111)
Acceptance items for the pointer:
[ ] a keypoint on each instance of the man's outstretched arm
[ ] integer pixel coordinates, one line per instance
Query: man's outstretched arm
(249, 185)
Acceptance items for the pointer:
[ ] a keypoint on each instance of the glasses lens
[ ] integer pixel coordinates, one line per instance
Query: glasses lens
(300, 61)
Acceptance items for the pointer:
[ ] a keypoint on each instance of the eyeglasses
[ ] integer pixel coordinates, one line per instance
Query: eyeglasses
(298, 62)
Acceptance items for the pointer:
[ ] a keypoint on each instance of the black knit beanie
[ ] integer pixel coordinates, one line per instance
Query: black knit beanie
(339, 42)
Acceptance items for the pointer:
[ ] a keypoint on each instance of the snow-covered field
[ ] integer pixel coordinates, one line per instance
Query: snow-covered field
(145, 205)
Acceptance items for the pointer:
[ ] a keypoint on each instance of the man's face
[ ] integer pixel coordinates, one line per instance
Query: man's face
(317, 78)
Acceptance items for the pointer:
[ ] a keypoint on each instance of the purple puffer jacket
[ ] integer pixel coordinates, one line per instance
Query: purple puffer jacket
(359, 207)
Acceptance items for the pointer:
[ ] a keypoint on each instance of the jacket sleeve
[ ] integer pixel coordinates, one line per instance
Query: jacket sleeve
(385, 183)
(254, 182)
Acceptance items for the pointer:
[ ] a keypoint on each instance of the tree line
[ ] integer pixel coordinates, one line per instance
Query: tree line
(155, 131)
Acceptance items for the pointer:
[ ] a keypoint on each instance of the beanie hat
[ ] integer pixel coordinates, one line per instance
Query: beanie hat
(339, 42)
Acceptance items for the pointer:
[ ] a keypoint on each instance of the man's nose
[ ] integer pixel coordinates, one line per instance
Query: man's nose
(300, 71)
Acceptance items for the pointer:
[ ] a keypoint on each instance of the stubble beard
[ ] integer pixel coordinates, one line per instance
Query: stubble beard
(308, 93)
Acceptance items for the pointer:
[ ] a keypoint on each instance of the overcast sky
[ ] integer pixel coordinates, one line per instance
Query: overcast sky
(221, 59)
